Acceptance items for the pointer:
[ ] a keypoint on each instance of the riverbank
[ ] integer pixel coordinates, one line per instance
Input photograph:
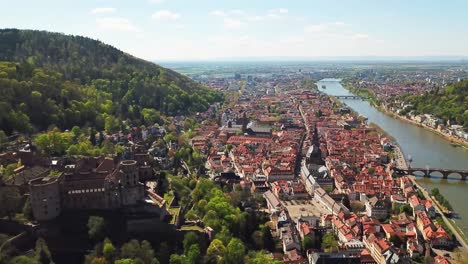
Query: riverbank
(371, 99)
(457, 232)
(451, 139)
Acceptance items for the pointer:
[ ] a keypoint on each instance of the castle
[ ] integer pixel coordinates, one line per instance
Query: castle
(89, 183)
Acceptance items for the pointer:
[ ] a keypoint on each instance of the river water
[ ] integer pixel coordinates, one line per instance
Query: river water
(425, 148)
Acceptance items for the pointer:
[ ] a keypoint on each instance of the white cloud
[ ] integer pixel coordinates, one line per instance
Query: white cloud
(273, 15)
(293, 40)
(156, 1)
(102, 10)
(237, 12)
(218, 13)
(165, 15)
(360, 36)
(255, 18)
(116, 23)
(317, 28)
(232, 23)
(325, 27)
(278, 11)
(221, 13)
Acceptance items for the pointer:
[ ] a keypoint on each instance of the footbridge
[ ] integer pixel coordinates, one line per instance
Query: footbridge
(429, 172)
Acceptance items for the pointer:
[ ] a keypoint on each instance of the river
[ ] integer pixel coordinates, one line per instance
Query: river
(425, 147)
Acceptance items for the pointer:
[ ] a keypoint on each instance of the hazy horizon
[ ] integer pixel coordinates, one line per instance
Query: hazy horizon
(428, 59)
(174, 30)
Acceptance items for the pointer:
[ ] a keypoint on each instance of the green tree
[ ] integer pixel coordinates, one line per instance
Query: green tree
(307, 243)
(189, 239)
(99, 260)
(54, 142)
(257, 239)
(329, 242)
(76, 131)
(19, 121)
(96, 227)
(357, 206)
(235, 251)
(225, 236)
(109, 250)
(407, 209)
(177, 259)
(136, 250)
(111, 124)
(150, 116)
(194, 254)
(23, 260)
(126, 261)
(216, 251)
(260, 257)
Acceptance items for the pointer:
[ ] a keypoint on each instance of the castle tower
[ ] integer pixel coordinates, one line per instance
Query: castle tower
(132, 190)
(45, 198)
(129, 171)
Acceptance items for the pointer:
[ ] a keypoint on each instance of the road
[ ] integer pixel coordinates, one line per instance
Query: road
(401, 163)
(399, 158)
(446, 220)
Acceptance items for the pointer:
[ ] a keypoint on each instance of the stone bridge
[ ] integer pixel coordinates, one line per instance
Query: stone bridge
(428, 172)
(348, 97)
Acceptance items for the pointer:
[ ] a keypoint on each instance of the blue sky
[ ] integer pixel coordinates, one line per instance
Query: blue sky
(212, 29)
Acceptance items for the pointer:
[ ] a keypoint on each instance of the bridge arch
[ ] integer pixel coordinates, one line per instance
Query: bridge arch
(454, 175)
(437, 174)
(419, 173)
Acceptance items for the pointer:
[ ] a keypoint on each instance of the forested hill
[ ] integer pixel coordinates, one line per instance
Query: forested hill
(73, 80)
(448, 104)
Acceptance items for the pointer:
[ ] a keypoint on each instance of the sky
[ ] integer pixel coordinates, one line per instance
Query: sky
(161, 30)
